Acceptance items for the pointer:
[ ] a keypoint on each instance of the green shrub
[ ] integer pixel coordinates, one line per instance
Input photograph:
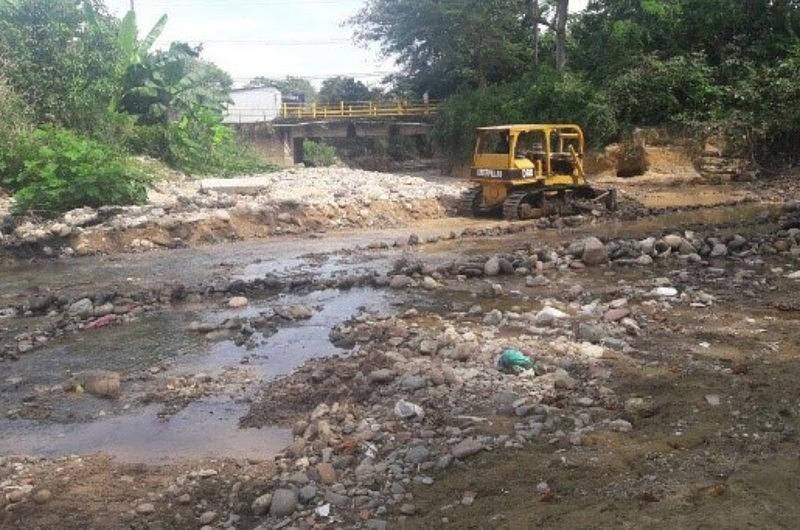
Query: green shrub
(657, 92)
(56, 169)
(203, 145)
(546, 97)
(15, 122)
(318, 154)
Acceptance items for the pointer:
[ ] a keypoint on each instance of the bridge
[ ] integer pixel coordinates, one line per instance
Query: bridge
(280, 137)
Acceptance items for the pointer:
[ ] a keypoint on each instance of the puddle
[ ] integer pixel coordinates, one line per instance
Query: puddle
(203, 429)
(208, 427)
(294, 344)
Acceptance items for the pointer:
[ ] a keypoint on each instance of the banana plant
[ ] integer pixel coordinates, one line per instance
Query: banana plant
(133, 50)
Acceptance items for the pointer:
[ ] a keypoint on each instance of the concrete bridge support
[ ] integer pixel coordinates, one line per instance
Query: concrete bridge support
(282, 143)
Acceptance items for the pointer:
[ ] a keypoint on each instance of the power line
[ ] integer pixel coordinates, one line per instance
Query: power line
(264, 42)
(324, 76)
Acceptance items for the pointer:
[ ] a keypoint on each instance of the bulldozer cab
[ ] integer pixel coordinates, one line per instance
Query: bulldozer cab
(520, 152)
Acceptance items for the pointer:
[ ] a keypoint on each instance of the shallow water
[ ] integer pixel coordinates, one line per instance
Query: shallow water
(208, 427)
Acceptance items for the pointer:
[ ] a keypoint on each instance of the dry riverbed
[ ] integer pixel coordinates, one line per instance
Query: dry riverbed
(355, 383)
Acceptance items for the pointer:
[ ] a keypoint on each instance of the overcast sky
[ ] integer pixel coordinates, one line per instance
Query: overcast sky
(273, 38)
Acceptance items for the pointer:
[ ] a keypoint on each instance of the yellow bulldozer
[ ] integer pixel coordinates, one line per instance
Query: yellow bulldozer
(531, 171)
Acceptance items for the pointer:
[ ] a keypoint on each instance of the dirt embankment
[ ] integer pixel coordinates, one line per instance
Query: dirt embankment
(189, 213)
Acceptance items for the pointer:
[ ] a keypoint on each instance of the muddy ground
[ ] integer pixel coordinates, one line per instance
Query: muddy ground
(351, 382)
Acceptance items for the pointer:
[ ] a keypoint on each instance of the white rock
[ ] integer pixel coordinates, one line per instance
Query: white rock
(406, 409)
(548, 316)
(664, 292)
(238, 302)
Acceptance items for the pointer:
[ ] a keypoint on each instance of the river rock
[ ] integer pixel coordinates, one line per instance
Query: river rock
(429, 283)
(42, 496)
(381, 376)
(100, 383)
(536, 281)
(307, 493)
(413, 382)
(238, 302)
(295, 312)
(575, 249)
(590, 332)
(82, 308)
(737, 243)
(594, 252)
(718, 250)
(261, 504)
(673, 241)
(647, 246)
(406, 409)
(548, 316)
(284, 502)
(400, 281)
(616, 313)
(327, 473)
(492, 267)
(467, 447)
(664, 292)
(493, 317)
(620, 426)
(417, 455)
(428, 347)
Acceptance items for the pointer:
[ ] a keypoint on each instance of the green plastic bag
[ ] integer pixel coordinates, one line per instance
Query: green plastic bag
(514, 360)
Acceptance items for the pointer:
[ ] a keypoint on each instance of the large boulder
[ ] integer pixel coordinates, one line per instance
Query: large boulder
(284, 502)
(594, 252)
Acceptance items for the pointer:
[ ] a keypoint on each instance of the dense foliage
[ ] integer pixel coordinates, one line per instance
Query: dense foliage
(68, 64)
(56, 169)
(731, 65)
(548, 96)
(336, 89)
(15, 123)
(62, 66)
(318, 154)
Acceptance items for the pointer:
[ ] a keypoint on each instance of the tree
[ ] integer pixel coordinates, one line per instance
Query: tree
(62, 66)
(560, 23)
(290, 86)
(444, 45)
(132, 50)
(336, 89)
(536, 17)
(171, 84)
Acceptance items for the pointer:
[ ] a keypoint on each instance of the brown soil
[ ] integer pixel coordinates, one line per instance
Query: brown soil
(251, 226)
(687, 463)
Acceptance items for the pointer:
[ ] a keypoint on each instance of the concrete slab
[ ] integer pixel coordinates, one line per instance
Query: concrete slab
(238, 185)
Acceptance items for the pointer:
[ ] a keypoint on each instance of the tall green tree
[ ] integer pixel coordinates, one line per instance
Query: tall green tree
(447, 44)
(336, 89)
(290, 86)
(171, 84)
(61, 65)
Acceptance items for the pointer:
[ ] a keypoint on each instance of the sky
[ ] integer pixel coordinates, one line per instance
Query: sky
(272, 38)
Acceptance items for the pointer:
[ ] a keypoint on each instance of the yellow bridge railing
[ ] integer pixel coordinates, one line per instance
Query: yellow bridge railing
(358, 109)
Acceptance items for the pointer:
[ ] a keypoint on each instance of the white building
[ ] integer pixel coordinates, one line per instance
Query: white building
(252, 105)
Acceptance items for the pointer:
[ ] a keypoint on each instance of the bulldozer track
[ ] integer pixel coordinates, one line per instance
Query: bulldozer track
(512, 204)
(469, 204)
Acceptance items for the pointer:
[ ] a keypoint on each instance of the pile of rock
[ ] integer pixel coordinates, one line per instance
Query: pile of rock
(289, 202)
(412, 397)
